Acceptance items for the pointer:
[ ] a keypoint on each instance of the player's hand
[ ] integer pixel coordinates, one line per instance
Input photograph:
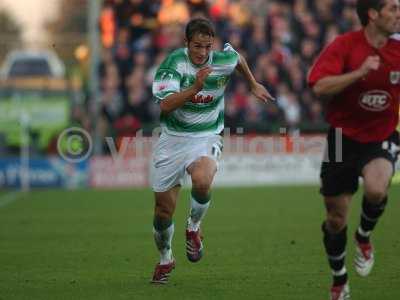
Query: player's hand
(261, 92)
(371, 63)
(201, 77)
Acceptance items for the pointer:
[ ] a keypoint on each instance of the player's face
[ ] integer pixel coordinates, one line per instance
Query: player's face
(199, 48)
(389, 17)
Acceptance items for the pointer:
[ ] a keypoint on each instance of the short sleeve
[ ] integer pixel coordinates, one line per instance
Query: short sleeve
(330, 62)
(225, 61)
(396, 36)
(166, 82)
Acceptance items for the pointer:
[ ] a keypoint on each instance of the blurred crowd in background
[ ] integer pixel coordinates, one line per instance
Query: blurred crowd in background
(280, 40)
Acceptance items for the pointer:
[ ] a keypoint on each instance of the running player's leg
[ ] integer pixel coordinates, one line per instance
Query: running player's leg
(339, 181)
(335, 238)
(202, 173)
(163, 230)
(377, 175)
(165, 203)
(167, 171)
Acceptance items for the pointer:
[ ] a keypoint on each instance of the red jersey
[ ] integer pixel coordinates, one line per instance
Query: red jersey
(368, 109)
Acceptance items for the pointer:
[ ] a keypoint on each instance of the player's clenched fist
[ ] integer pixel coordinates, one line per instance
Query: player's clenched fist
(370, 63)
(201, 77)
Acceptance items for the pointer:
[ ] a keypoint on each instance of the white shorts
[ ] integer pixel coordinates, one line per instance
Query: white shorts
(172, 155)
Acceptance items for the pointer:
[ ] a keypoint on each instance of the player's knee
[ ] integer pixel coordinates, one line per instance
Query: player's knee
(163, 211)
(201, 184)
(335, 222)
(375, 193)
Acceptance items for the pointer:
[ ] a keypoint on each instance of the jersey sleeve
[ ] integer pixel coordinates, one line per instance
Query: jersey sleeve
(166, 81)
(396, 36)
(225, 61)
(329, 63)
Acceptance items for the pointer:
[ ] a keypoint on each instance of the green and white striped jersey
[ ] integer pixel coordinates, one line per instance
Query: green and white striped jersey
(204, 114)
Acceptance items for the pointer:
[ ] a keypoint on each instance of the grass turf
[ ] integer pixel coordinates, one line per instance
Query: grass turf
(260, 243)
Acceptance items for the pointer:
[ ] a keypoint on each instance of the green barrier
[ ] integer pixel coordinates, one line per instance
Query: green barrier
(47, 117)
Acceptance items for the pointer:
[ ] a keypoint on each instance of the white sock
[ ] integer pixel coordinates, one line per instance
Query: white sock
(197, 212)
(163, 241)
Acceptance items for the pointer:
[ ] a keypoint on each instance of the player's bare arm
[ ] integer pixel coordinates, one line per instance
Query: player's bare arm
(332, 85)
(256, 88)
(177, 100)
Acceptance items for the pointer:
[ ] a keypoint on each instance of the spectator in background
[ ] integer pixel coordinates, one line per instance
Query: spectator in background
(240, 99)
(122, 51)
(173, 11)
(308, 50)
(198, 7)
(138, 96)
(258, 44)
(288, 102)
(111, 101)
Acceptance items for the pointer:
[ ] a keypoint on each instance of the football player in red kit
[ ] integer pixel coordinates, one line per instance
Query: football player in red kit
(359, 75)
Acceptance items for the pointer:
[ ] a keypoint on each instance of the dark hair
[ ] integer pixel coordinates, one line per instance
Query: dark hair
(363, 6)
(199, 25)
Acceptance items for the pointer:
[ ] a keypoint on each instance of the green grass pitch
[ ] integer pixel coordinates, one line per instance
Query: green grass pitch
(260, 243)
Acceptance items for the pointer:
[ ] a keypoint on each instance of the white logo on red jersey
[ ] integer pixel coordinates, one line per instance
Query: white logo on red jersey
(375, 100)
(394, 77)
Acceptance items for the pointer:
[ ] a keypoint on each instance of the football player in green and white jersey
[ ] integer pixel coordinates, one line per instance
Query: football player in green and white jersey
(189, 87)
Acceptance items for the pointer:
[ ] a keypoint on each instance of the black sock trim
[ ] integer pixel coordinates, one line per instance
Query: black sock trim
(200, 199)
(371, 213)
(161, 224)
(335, 248)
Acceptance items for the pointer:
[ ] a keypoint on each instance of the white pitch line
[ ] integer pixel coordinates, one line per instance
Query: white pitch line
(8, 198)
